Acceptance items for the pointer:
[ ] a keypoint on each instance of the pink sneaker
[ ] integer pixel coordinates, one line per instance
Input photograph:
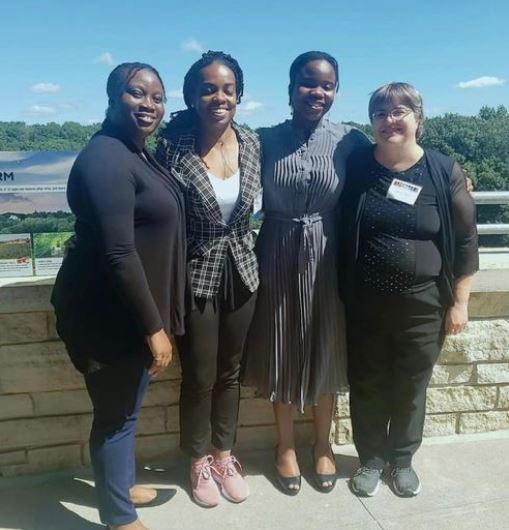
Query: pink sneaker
(227, 473)
(205, 490)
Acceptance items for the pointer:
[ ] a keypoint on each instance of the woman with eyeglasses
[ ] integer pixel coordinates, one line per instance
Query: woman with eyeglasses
(411, 249)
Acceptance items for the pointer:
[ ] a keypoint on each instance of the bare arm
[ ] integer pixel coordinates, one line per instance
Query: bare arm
(456, 317)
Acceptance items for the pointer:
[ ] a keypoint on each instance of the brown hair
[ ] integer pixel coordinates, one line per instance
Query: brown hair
(397, 92)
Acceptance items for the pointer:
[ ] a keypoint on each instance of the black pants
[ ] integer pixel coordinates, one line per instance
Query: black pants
(210, 355)
(393, 343)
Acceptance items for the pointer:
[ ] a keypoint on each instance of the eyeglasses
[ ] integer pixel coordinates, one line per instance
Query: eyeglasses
(395, 114)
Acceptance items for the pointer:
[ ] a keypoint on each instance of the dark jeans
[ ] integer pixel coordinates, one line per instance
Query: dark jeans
(210, 355)
(393, 343)
(116, 392)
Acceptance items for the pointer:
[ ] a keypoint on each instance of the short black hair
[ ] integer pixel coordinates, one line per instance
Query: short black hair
(305, 58)
(122, 74)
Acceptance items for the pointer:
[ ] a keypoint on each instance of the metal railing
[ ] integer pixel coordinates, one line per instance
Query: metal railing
(492, 197)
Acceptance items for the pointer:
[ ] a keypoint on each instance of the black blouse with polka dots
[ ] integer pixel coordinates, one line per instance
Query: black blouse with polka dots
(399, 242)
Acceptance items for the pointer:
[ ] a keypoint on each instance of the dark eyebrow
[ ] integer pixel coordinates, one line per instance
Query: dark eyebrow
(312, 78)
(208, 83)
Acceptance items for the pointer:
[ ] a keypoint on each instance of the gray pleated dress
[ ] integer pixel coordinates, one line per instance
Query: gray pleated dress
(296, 347)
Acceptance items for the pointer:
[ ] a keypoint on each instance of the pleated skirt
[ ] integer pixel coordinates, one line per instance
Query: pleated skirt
(296, 346)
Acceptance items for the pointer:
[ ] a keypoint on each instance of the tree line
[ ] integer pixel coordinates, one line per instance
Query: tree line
(479, 143)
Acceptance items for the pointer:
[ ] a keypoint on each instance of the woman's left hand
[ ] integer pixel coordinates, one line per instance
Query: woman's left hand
(162, 351)
(456, 318)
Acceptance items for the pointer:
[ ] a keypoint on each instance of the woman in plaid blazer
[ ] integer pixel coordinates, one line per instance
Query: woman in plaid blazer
(218, 164)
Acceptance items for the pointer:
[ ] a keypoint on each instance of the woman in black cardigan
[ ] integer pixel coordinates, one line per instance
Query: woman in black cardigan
(119, 293)
(411, 251)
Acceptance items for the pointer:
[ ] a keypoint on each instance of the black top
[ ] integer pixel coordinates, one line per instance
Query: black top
(456, 239)
(399, 243)
(124, 275)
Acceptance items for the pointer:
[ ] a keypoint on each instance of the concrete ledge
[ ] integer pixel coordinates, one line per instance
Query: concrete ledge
(45, 412)
(489, 299)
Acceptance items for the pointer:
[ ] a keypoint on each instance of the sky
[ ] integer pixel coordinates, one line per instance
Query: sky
(56, 54)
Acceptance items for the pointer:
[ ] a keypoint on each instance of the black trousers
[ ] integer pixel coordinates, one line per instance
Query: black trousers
(210, 356)
(393, 343)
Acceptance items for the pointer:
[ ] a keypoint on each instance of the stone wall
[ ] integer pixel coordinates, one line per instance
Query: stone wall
(469, 390)
(45, 413)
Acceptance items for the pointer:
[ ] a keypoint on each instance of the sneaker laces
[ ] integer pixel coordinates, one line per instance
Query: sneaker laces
(397, 470)
(367, 469)
(201, 469)
(229, 466)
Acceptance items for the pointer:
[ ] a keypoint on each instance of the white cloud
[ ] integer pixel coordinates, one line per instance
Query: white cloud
(250, 107)
(41, 109)
(481, 82)
(192, 45)
(175, 93)
(45, 88)
(105, 58)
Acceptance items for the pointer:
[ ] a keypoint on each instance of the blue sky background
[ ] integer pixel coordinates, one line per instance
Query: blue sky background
(56, 55)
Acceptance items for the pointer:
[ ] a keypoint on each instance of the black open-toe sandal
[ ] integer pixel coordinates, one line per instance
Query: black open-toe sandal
(286, 483)
(320, 478)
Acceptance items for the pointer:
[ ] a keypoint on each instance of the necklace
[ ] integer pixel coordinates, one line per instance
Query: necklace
(227, 169)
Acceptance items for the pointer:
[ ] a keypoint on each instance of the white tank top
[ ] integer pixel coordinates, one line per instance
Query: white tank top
(227, 192)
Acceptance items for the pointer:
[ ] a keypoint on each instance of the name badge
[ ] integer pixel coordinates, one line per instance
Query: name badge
(403, 191)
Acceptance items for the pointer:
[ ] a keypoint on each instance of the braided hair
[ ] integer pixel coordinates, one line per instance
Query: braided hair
(305, 58)
(119, 78)
(183, 120)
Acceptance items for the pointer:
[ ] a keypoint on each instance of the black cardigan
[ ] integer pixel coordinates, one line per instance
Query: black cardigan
(458, 232)
(124, 275)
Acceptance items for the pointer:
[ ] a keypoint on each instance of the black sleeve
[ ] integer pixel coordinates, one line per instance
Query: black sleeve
(466, 256)
(109, 188)
(359, 140)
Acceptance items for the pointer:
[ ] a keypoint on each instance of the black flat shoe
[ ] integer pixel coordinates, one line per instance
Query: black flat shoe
(320, 478)
(162, 497)
(285, 483)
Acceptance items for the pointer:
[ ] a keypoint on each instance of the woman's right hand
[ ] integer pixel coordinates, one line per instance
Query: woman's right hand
(162, 351)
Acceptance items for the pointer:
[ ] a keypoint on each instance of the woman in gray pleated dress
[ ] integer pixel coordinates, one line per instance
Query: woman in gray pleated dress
(295, 351)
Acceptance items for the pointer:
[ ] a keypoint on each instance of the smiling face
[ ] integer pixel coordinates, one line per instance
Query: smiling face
(215, 100)
(394, 123)
(140, 107)
(313, 93)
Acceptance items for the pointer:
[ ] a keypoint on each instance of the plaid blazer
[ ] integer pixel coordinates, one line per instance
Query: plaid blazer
(208, 236)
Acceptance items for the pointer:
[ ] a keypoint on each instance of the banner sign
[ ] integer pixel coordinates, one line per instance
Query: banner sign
(35, 220)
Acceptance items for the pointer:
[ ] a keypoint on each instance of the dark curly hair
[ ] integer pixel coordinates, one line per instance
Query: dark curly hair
(120, 77)
(305, 58)
(184, 119)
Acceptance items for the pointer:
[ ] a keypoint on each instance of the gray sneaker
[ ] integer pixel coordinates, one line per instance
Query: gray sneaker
(366, 481)
(405, 481)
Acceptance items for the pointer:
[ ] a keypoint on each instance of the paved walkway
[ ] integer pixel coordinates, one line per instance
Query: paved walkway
(465, 486)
